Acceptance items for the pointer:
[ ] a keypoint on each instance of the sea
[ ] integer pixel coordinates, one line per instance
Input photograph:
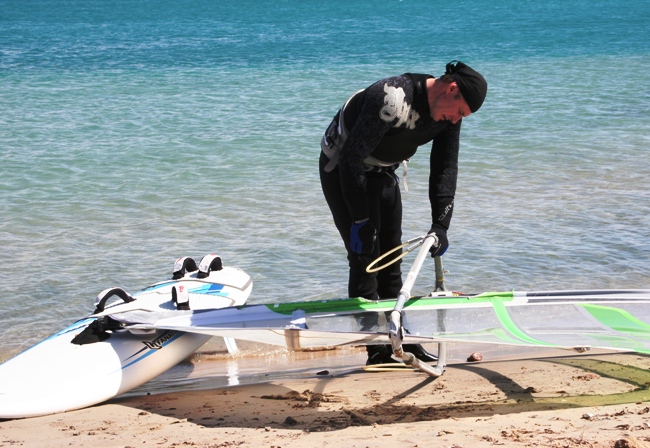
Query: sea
(133, 132)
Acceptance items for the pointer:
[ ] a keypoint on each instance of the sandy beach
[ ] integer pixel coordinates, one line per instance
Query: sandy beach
(592, 400)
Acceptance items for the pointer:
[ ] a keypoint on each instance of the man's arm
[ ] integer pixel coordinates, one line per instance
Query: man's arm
(443, 175)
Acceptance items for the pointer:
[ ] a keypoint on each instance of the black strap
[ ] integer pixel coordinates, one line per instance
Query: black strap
(99, 330)
(106, 294)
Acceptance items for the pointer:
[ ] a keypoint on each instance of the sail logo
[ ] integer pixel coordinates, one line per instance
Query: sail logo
(158, 343)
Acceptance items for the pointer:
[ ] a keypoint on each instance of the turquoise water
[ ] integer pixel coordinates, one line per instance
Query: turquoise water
(135, 132)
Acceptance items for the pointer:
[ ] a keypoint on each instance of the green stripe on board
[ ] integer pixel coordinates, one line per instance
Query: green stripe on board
(511, 327)
(618, 319)
(359, 304)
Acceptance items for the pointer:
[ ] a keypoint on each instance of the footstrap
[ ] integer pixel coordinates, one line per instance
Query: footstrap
(181, 297)
(102, 298)
(209, 263)
(182, 266)
(99, 330)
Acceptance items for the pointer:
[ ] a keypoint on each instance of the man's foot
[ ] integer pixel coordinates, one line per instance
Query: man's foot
(379, 354)
(419, 352)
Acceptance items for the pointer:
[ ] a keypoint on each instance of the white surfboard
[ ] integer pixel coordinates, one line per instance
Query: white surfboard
(57, 375)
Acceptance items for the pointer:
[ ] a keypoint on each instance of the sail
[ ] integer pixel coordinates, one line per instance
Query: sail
(606, 319)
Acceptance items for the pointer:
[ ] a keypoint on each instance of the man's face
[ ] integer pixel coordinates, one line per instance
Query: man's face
(450, 105)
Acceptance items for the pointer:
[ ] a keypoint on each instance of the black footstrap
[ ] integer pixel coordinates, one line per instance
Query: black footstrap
(99, 330)
(102, 298)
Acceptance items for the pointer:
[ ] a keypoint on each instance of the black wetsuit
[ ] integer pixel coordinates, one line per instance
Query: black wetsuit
(382, 126)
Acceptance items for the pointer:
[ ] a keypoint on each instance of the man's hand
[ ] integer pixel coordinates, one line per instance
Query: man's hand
(443, 243)
(362, 237)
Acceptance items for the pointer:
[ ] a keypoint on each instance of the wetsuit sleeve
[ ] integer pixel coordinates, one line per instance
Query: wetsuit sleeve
(444, 174)
(370, 126)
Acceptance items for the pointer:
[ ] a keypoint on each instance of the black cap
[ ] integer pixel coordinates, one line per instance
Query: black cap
(471, 83)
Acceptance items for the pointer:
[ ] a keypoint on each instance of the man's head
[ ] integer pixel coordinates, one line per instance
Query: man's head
(456, 94)
(471, 83)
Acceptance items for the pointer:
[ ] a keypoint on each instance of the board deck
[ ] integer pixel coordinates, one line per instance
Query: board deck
(56, 375)
(225, 287)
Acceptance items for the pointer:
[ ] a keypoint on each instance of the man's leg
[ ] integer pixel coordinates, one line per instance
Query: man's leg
(360, 283)
(389, 279)
(387, 219)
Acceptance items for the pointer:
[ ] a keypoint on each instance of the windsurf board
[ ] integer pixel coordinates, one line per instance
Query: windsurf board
(95, 358)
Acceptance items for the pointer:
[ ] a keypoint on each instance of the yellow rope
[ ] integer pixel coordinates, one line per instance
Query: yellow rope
(388, 367)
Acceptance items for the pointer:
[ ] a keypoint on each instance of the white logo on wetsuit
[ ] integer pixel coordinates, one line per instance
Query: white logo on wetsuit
(396, 107)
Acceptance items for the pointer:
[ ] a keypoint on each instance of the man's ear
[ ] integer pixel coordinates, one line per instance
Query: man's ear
(452, 88)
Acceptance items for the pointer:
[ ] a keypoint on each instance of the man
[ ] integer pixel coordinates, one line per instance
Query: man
(378, 128)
